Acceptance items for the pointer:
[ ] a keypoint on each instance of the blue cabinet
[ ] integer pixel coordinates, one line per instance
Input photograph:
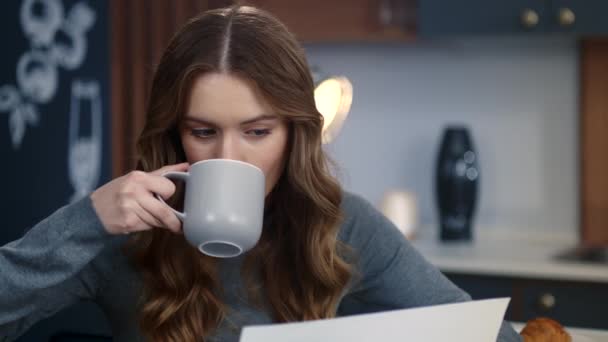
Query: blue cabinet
(512, 17)
(439, 17)
(586, 17)
(572, 303)
(486, 288)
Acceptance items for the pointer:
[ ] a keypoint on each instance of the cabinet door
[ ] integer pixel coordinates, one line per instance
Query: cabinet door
(485, 287)
(586, 17)
(440, 17)
(571, 304)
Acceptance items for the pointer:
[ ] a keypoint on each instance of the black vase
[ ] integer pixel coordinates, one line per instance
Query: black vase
(457, 178)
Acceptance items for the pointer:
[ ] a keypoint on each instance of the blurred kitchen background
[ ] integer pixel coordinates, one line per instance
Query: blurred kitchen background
(527, 78)
(518, 96)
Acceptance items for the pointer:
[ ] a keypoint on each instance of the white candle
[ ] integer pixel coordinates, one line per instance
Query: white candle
(400, 207)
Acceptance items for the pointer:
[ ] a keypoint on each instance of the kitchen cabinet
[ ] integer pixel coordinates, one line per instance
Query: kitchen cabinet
(344, 20)
(486, 288)
(528, 266)
(438, 17)
(581, 17)
(472, 17)
(403, 20)
(572, 303)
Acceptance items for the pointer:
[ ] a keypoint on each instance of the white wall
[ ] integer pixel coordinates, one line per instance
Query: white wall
(519, 97)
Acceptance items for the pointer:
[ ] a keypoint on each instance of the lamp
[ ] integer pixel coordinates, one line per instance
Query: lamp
(333, 97)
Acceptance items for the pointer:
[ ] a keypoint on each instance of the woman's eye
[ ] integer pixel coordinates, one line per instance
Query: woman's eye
(258, 132)
(203, 132)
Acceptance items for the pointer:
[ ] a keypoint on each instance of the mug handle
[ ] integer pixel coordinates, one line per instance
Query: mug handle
(183, 176)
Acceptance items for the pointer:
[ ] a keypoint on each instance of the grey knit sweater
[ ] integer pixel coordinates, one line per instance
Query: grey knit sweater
(68, 257)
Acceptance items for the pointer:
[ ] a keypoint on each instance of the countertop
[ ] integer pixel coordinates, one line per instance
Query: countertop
(509, 252)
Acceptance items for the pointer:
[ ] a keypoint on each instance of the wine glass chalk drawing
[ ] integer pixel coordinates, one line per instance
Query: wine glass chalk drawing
(84, 150)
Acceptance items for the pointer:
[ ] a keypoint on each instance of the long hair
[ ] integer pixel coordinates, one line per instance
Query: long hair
(299, 267)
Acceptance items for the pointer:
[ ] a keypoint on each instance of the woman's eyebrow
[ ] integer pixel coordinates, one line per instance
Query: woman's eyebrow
(260, 118)
(199, 121)
(206, 122)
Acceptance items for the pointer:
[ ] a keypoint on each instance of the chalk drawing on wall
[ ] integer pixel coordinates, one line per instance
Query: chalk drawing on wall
(37, 76)
(20, 113)
(84, 149)
(55, 41)
(78, 21)
(40, 26)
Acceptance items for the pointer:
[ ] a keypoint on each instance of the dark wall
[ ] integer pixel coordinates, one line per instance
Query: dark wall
(54, 120)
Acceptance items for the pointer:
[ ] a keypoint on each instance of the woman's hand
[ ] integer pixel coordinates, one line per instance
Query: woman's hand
(127, 204)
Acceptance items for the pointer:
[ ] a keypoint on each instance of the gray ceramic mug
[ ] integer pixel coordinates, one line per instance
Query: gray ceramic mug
(223, 206)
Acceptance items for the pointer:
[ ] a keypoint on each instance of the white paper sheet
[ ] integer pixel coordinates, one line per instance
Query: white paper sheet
(475, 321)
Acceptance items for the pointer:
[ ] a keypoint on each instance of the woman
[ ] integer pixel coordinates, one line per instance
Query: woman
(233, 83)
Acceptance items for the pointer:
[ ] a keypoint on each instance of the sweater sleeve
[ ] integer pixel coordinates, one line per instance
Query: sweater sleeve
(50, 267)
(390, 273)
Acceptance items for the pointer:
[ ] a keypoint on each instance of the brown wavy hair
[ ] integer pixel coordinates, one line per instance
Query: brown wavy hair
(299, 267)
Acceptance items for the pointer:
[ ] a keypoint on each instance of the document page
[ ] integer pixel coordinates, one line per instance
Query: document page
(474, 321)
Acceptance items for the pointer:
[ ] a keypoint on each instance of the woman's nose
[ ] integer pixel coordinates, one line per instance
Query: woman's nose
(229, 148)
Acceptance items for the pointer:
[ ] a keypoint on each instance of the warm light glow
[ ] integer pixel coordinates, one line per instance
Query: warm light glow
(333, 98)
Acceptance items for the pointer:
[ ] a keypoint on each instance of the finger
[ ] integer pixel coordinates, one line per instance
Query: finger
(135, 180)
(134, 221)
(161, 212)
(158, 185)
(148, 221)
(162, 185)
(174, 167)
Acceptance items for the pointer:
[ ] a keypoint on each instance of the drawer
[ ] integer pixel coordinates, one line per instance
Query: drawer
(570, 303)
(484, 287)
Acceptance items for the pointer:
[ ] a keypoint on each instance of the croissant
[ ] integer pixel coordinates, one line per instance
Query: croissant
(544, 329)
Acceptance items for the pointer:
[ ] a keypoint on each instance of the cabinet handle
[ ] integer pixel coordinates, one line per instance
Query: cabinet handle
(529, 18)
(546, 302)
(566, 17)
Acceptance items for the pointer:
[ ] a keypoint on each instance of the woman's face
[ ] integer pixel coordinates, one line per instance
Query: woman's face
(226, 118)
